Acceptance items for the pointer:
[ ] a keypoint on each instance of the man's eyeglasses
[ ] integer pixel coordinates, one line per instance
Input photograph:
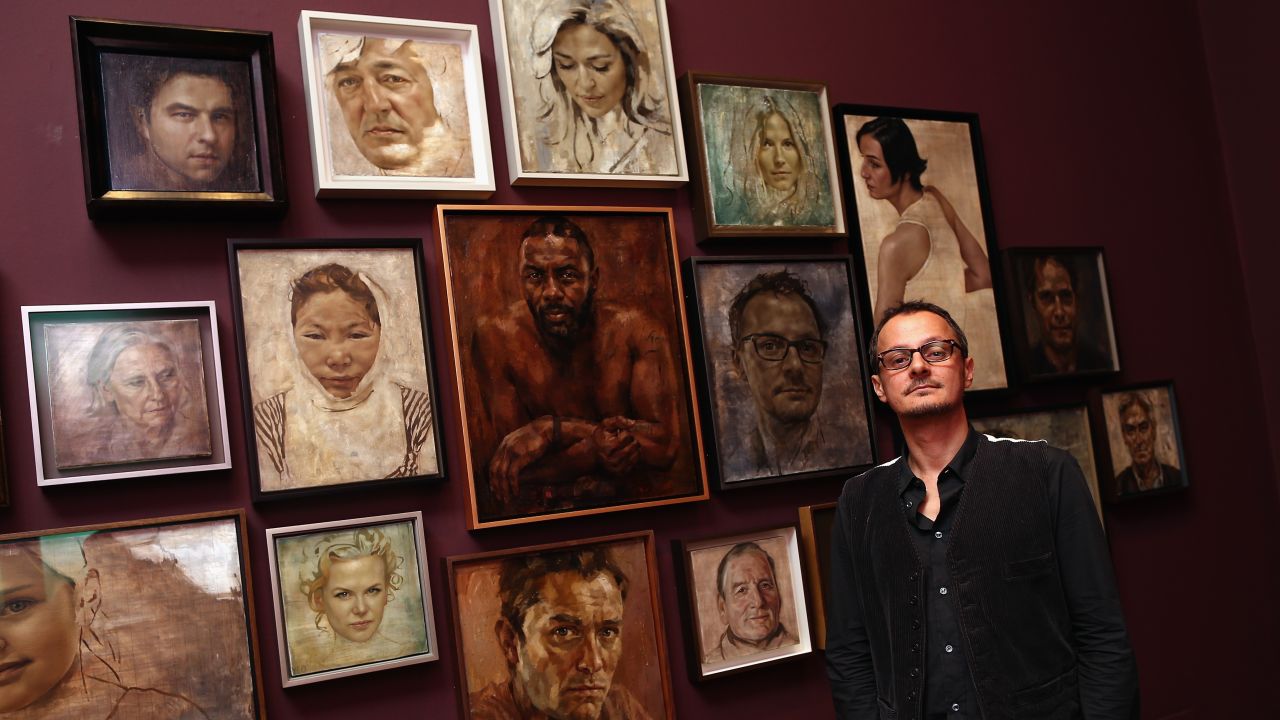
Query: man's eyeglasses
(775, 347)
(938, 351)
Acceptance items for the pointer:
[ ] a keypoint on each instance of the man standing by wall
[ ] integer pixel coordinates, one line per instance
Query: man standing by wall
(1015, 614)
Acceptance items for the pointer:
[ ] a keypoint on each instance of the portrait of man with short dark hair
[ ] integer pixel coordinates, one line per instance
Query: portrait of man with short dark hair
(1066, 327)
(1142, 431)
(179, 124)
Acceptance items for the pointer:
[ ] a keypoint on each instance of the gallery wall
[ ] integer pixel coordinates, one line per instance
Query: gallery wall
(1100, 128)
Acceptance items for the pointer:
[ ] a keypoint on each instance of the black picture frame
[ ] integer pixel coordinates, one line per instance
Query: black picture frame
(988, 338)
(309, 254)
(258, 188)
(1119, 482)
(1088, 312)
(712, 348)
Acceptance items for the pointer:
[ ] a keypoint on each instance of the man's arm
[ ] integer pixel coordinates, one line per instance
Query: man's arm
(849, 668)
(653, 396)
(1107, 671)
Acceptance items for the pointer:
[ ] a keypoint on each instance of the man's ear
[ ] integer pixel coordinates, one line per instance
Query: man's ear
(507, 640)
(142, 123)
(968, 372)
(724, 615)
(89, 598)
(879, 389)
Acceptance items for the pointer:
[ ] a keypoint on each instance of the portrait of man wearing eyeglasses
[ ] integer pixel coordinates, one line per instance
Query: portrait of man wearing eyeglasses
(970, 577)
(779, 354)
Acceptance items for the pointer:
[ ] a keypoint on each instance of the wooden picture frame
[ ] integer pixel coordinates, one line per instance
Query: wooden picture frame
(552, 132)
(1067, 427)
(124, 390)
(363, 416)
(432, 138)
(4, 471)
(177, 121)
(764, 158)
(575, 382)
(959, 214)
(742, 592)
(1135, 426)
(384, 560)
(823, 425)
(551, 584)
(815, 541)
(1060, 312)
(142, 608)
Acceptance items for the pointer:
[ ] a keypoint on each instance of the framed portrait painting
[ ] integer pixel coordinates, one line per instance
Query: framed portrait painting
(524, 620)
(396, 107)
(573, 366)
(339, 388)
(917, 182)
(351, 597)
(815, 534)
(1065, 427)
(746, 601)
(1140, 440)
(588, 92)
(177, 120)
(1061, 313)
(764, 157)
(126, 390)
(140, 619)
(782, 367)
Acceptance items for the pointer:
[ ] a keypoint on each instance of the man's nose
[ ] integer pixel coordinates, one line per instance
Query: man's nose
(375, 98)
(204, 128)
(592, 659)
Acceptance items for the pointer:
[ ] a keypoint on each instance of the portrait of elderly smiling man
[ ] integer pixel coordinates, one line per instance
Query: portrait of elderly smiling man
(750, 605)
(401, 103)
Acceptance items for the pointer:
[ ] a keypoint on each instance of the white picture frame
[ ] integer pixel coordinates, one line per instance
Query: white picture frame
(292, 614)
(451, 60)
(512, 22)
(36, 321)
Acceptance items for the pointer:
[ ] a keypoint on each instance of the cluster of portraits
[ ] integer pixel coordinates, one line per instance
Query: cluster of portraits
(338, 367)
(142, 622)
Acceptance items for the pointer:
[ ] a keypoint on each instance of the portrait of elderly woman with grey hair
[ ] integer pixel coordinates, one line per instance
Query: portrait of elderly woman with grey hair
(127, 392)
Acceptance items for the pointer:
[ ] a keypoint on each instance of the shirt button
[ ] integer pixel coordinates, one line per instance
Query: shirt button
(955, 707)
(911, 600)
(938, 534)
(942, 591)
(915, 672)
(949, 648)
(915, 624)
(908, 503)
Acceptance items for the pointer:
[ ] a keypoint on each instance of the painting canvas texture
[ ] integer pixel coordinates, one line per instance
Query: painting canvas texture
(758, 402)
(941, 279)
(766, 152)
(585, 102)
(381, 563)
(339, 383)
(572, 360)
(394, 106)
(179, 124)
(628, 678)
(124, 392)
(145, 622)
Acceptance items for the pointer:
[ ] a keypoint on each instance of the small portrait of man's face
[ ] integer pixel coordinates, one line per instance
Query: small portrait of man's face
(783, 370)
(1066, 313)
(564, 633)
(748, 599)
(558, 278)
(179, 124)
(1145, 447)
(399, 102)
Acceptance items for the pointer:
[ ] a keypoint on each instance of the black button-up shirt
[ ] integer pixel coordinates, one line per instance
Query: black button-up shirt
(948, 688)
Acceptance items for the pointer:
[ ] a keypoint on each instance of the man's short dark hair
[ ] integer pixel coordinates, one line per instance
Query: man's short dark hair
(1038, 264)
(782, 282)
(912, 307)
(899, 148)
(521, 576)
(560, 227)
(741, 549)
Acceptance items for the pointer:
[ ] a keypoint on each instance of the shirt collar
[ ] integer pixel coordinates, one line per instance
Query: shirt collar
(958, 466)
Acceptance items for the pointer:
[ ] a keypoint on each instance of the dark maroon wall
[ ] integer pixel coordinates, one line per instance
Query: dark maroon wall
(1100, 129)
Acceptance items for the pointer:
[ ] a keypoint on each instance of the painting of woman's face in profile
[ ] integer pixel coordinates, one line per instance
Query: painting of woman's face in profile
(351, 597)
(126, 392)
(765, 155)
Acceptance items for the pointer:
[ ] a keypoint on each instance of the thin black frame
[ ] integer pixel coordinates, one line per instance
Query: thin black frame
(414, 246)
(704, 370)
(848, 176)
(1017, 316)
(90, 37)
(1102, 443)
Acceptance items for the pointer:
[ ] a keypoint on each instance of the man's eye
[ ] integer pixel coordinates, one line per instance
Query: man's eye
(392, 79)
(609, 632)
(563, 631)
(766, 585)
(769, 343)
(348, 82)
